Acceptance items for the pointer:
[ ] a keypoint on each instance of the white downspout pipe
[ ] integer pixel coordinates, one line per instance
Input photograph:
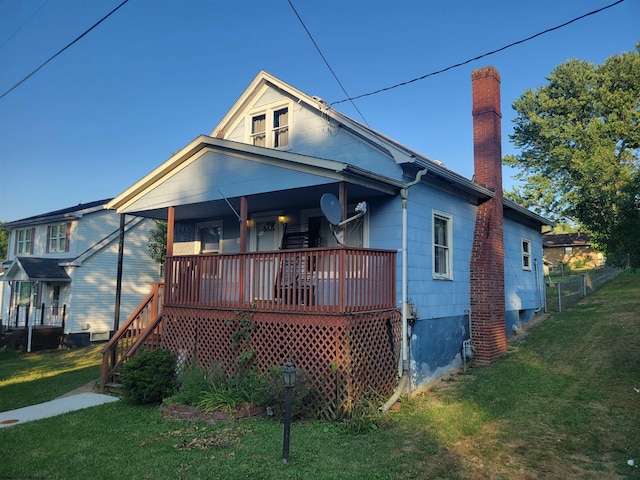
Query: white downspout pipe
(405, 267)
(403, 364)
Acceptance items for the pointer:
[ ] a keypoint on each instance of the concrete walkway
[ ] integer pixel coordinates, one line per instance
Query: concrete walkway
(78, 399)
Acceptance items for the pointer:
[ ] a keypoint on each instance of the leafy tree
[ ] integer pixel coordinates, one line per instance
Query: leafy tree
(4, 242)
(158, 242)
(579, 137)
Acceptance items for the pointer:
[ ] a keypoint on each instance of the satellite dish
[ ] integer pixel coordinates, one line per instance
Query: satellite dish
(331, 208)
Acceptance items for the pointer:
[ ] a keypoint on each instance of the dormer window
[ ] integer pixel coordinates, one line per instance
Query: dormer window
(270, 127)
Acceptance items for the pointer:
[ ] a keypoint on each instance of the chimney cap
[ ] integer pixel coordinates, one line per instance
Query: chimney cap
(485, 72)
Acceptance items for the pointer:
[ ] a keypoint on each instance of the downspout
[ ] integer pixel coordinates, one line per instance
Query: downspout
(403, 364)
(538, 288)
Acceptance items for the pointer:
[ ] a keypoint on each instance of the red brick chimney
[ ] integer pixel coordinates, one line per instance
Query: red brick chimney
(488, 325)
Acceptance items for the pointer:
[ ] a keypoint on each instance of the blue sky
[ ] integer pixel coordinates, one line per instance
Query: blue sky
(158, 73)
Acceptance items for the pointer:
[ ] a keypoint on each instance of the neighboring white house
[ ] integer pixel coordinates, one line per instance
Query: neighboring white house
(64, 264)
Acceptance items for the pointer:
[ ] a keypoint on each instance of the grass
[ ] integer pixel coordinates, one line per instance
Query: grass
(560, 404)
(26, 379)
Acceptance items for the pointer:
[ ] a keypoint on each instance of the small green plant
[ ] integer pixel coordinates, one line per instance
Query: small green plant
(193, 382)
(364, 416)
(149, 377)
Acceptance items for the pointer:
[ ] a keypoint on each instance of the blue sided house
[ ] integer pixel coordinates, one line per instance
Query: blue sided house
(365, 263)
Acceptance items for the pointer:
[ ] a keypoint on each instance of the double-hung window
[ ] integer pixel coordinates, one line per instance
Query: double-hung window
(24, 241)
(442, 246)
(269, 127)
(58, 238)
(526, 254)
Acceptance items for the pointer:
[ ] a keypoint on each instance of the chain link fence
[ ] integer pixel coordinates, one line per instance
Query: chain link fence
(565, 291)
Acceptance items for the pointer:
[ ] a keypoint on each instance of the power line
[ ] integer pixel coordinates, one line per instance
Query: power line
(437, 72)
(23, 25)
(59, 52)
(327, 63)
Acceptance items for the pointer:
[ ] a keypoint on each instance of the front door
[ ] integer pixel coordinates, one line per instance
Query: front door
(266, 234)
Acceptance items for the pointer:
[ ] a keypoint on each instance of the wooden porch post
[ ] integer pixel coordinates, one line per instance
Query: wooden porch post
(343, 205)
(170, 230)
(243, 224)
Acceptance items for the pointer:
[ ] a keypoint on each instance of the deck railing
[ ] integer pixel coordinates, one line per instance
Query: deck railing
(317, 280)
(142, 323)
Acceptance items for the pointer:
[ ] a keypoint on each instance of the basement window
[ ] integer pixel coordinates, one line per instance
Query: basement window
(526, 254)
(442, 246)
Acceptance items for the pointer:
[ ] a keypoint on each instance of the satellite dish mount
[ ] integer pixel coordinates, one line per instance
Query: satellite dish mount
(332, 211)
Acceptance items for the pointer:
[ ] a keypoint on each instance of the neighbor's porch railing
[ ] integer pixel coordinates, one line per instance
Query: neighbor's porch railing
(318, 280)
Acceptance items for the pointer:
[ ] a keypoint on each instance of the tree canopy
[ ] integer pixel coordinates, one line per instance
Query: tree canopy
(579, 137)
(4, 242)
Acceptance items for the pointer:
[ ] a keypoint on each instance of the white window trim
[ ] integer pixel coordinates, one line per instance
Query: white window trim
(23, 246)
(526, 254)
(449, 260)
(57, 238)
(269, 130)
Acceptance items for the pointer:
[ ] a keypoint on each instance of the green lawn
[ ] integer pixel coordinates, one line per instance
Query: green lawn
(561, 404)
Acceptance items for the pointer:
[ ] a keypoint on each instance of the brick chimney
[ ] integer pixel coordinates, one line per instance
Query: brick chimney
(488, 325)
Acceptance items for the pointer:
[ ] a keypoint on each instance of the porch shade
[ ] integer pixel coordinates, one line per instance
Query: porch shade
(42, 269)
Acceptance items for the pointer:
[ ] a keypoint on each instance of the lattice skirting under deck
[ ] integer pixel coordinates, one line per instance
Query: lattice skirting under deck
(345, 356)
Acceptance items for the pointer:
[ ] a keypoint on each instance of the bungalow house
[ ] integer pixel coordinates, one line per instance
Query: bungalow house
(362, 261)
(573, 250)
(61, 271)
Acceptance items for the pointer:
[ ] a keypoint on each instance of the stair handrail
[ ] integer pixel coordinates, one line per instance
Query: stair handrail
(118, 348)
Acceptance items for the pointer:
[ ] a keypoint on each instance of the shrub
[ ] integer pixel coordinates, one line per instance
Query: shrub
(193, 382)
(149, 377)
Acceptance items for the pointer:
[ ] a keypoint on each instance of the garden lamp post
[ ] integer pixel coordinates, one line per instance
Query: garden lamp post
(289, 377)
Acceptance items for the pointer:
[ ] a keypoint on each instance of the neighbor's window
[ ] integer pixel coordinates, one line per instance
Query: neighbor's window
(526, 254)
(270, 127)
(442, 246)
(568, 250)
(24, 241)
(25, 292)
(58, 238)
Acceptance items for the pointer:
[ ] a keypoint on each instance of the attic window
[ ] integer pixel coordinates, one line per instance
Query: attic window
(281, 128)
(269, 127)
(258, 123)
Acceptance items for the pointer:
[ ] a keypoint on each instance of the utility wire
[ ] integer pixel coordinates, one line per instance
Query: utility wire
(437, 72)
(59, 52)
(23, 25)
(327, 63)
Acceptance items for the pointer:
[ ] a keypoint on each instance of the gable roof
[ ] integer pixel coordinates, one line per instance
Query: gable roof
(304, 163)
(69, 213)
(41, 269)
(410, 161)
(401, 154)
